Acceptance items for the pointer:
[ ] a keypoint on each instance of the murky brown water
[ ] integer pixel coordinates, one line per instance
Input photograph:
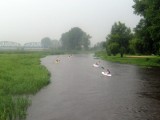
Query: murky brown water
(78, 91)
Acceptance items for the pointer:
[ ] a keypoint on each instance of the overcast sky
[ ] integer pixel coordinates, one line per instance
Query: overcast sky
(31, 20)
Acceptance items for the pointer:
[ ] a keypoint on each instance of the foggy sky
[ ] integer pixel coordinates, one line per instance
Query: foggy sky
(31, 20)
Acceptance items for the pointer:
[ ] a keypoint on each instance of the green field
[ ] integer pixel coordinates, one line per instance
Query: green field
(148, 61)
(21, 74)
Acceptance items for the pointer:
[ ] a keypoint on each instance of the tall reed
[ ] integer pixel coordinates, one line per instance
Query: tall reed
(20, 76)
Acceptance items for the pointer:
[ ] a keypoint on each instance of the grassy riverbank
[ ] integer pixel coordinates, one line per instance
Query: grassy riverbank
(20, 75)
(147, 61)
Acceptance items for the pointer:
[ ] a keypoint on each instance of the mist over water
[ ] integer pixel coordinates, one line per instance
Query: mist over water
(25, 21)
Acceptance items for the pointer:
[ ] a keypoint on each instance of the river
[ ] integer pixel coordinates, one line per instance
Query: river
(78, 91)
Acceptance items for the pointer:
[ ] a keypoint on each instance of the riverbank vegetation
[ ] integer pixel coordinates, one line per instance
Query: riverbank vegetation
(147, 60)
(143, 41)
(21, 74)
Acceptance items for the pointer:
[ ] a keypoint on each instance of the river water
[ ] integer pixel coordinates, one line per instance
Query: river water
(78, 91)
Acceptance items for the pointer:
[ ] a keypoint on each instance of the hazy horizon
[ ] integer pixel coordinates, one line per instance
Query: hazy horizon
(26, 21)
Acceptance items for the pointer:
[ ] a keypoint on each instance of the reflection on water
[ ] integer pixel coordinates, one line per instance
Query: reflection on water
(151, 80)
(140, 87)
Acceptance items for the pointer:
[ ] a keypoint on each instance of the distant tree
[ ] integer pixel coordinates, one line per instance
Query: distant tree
(100, 45)
(118, 40)
(75, 39)
(65, 41)
(85, 41)
(55, 44)
(46, 42)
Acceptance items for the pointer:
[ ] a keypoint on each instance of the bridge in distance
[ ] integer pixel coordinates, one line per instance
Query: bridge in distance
(7, 45)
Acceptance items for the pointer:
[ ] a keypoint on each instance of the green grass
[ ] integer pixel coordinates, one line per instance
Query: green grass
(20, 75)
(148, 61)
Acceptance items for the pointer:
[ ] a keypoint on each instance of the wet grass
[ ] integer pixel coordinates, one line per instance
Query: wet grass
(20, 76)
(147, 61)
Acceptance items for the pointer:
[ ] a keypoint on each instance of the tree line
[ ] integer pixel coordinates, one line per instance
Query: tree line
(145, 38)
(74, 39)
